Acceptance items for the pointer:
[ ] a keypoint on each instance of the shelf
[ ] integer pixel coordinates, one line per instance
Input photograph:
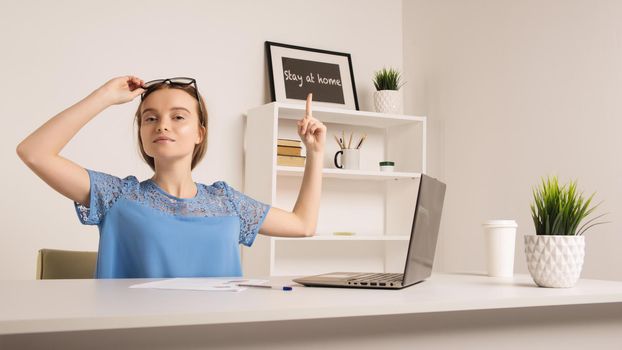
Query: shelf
(346, 116)
(349, 174)
(376, 205)
(345, 238)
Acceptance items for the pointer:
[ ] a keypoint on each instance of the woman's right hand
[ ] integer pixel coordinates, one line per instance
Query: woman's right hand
(121, 89)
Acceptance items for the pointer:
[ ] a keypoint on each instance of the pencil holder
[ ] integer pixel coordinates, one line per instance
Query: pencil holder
(350, 159)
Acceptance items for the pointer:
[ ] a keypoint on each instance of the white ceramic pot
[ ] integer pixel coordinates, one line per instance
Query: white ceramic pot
(388, 101)
(555, 261)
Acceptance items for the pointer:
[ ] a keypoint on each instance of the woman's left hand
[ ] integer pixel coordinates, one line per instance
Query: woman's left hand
(312, 131)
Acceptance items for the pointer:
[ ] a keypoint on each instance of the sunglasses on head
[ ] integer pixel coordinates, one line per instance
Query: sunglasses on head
(178, 81)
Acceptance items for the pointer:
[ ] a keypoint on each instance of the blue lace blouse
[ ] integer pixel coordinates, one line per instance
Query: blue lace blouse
(145, 232)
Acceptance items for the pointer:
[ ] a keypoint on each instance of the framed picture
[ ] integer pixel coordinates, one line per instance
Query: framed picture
(296, 71)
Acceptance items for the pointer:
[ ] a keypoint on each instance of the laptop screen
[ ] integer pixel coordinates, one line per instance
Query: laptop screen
(424, 232)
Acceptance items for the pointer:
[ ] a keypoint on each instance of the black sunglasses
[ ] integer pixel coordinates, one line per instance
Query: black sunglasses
(179, 81)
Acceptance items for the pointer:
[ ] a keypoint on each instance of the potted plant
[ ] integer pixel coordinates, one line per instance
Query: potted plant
(555, 253)
(387, 98)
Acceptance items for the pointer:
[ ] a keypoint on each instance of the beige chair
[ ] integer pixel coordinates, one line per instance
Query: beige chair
(65, 264)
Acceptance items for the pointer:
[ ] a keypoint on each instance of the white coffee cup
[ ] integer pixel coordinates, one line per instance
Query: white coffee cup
(500, 236)
(350, 159)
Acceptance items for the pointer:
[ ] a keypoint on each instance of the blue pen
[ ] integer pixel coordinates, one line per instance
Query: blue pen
(265, 286)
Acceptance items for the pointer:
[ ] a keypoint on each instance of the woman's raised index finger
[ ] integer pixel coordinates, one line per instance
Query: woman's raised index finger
(309, 99)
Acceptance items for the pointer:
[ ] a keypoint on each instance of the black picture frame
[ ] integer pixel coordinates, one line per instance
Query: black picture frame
(294, 71)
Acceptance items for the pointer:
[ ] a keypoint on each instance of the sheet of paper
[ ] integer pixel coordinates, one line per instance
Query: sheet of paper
(207, 284)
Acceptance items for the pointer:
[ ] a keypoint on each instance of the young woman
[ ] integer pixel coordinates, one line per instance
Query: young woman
(168, 225)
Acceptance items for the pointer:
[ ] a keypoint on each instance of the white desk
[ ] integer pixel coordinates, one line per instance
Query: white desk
(460, 310)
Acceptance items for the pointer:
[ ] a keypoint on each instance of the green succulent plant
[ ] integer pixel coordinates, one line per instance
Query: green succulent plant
(560, 210)
(388, 79)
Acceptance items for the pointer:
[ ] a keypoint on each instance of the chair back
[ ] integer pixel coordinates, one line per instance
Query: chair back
(65, 264)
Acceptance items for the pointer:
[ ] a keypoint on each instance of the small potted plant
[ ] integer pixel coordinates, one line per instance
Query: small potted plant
(555, 253)
(387, 98)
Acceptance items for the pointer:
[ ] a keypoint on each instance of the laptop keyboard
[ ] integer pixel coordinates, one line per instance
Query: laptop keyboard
(377, 279)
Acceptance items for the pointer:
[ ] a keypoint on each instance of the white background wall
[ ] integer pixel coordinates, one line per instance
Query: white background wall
(56, 53)
(515, 90)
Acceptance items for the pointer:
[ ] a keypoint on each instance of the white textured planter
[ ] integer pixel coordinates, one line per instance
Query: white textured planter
(555, 261)
(388, 101)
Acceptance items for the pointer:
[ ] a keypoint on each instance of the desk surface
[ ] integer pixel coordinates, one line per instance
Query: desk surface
(70, 305)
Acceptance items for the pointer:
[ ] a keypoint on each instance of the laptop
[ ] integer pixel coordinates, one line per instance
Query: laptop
(421, 248)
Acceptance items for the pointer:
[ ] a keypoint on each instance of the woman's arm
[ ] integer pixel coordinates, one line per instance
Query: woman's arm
(302, 221)
(40, 150)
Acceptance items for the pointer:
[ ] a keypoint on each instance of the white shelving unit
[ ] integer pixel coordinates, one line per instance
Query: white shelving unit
(376, 206)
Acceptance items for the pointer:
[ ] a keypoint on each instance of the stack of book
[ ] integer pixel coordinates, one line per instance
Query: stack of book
(289, 153)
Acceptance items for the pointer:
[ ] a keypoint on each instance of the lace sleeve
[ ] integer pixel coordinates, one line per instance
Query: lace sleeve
(251, 212)
(104, 191)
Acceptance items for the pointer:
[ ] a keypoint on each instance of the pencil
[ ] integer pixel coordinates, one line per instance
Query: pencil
(265, 286)
(336, 139)
(361, 142)
(350, 142)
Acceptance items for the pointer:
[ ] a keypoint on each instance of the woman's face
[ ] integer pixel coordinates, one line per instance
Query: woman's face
(169, 125)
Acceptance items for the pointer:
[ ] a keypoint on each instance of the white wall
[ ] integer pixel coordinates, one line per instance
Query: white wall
(516, 90)
(56, 53)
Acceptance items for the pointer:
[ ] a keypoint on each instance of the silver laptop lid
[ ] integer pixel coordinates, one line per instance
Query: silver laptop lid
(424, 231)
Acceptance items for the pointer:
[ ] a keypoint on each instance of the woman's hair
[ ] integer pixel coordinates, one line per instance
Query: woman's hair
(201, 148)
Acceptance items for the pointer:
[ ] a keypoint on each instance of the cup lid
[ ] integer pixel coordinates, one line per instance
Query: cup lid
(504, 223)
(387, 162)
